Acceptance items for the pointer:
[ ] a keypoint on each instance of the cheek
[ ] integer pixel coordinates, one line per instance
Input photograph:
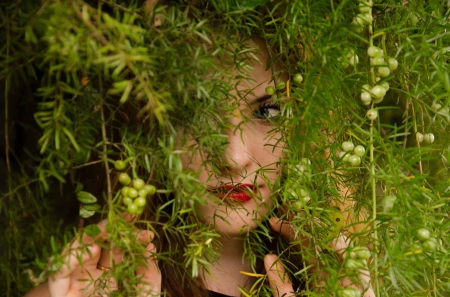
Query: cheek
(194, 160)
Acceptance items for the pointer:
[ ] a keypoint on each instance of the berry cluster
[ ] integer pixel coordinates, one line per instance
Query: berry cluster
(297, 194)
(427, 137)
(281, 85)
(355, 158)
(384, 66)
(428, 243)
(363, 18)
(349, 292)
(134, 192)
(358, 258)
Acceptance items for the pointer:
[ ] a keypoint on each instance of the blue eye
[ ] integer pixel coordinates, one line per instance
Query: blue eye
(267, 111)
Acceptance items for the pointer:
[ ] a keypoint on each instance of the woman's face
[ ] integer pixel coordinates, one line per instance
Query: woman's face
(241, 190)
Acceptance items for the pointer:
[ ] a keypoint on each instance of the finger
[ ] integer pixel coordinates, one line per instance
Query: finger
(110, 257)
(86, 239)
(60, 282)
(150, 273)
(340, 245)
(289, 232)
(278, 278)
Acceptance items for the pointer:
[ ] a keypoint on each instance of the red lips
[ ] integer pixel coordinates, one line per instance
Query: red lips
(236, 193)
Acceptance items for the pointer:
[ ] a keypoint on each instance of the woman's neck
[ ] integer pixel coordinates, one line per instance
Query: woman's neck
(225, 276)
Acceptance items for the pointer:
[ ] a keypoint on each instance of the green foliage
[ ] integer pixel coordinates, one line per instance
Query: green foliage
(108, 80)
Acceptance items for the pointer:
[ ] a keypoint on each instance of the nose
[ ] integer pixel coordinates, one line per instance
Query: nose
(239, 154)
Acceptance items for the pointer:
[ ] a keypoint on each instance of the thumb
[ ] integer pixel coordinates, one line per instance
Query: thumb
(278, 278)
(151, 275)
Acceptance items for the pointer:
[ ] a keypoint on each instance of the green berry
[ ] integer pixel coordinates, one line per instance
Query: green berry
(120, 165)
(298, 78)
(132, 208)
(140, 201)
(142, 193)
(297, 206)
(150, 189)
(138, 183)
(132, 193)
(124, 191)
(280, 85)
(270, 90)
(430, 244)
(350, 292)
(124, 179)
(354, 264)
(423, 234)
(127, 200)
(362, 253)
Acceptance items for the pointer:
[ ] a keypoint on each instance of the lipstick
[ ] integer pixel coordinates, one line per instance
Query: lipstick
(236, 193)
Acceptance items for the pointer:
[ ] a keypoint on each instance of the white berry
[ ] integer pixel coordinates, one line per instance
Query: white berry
(365, 7)
(435, 106)
(378, 92)
(419, 137)
(344, 156)
(348, 146)
(359, 150)
(372, 114)
(354, 160)
(383, 71)
(423, 234)
(378, 61)
(393, 63)
(385, 85)
(366, 88)
(428, 138)
(353, 60)
(360, 19)
(374, 51)
(378, 100)
(388, 202)
(366, 98)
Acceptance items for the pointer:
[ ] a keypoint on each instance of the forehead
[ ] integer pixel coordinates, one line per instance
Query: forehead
(252, 79)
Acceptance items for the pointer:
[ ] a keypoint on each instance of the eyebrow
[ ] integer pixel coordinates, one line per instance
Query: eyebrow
(261, 99)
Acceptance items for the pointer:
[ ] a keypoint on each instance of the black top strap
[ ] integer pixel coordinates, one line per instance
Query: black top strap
(215, 294)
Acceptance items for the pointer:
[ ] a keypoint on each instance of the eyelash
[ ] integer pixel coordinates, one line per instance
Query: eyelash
(260, 113)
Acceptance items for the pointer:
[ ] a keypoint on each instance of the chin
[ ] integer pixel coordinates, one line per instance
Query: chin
(234, 219)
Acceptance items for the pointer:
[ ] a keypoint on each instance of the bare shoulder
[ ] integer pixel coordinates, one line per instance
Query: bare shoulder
(39, 291)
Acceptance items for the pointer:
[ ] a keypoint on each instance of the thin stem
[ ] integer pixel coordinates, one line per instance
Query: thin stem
(374, 208)
(105, 161)
(372, 172)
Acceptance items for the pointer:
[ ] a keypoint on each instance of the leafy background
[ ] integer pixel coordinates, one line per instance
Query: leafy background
(87, 82)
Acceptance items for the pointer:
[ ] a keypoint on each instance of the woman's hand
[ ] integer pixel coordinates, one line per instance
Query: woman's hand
(279, 279)
(84, 262)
